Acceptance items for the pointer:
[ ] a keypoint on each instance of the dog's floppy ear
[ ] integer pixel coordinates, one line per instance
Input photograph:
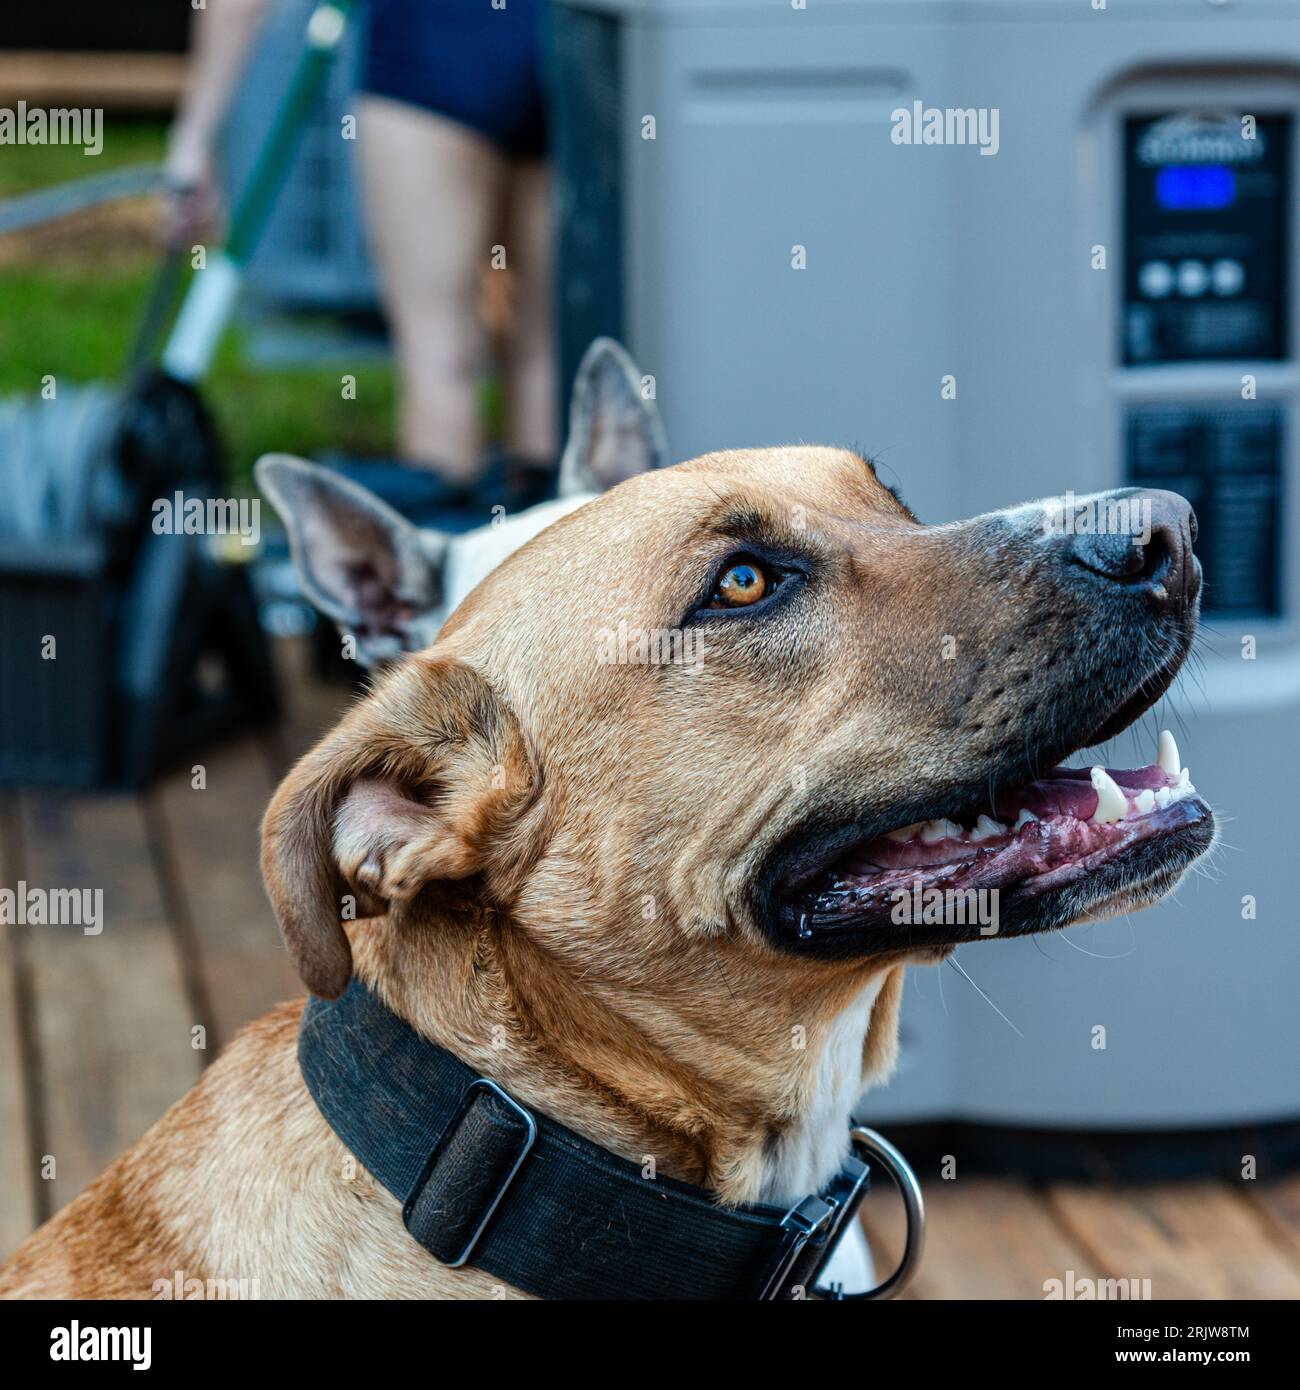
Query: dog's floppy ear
(360, 562)
(614, 431)
(421, 782)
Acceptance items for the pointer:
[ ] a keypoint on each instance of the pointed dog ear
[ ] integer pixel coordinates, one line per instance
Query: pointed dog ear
(614, 431)
(419, 783)
(360, 562)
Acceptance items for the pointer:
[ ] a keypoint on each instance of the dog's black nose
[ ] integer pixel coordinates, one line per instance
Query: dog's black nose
(1141, 539)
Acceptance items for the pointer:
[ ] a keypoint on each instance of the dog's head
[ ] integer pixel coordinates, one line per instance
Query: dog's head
(751, 703)
(390, 585)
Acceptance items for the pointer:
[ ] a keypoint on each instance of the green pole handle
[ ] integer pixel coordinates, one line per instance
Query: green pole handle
(214, 291)
(324, 31)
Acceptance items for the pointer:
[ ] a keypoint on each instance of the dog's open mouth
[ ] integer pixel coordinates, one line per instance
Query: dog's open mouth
(1101, 831)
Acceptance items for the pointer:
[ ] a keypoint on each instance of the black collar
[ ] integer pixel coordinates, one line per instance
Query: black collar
(484, 1181)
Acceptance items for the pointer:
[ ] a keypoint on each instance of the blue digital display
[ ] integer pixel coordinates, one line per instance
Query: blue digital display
(1195, 187)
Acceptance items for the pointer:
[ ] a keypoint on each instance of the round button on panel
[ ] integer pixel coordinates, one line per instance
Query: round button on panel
(1227, 276)
(1193, 278)
(1156, 279)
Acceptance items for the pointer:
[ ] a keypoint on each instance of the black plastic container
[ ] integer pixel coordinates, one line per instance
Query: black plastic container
(121, 649)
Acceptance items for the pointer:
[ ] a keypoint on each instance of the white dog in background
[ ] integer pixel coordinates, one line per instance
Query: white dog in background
(391, 584)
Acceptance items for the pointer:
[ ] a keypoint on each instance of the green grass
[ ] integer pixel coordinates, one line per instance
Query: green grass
(74, 322)
(74, 313)
(299, 411)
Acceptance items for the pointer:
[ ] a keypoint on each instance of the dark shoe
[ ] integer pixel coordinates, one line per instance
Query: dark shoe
(419, 494)
(514, 483)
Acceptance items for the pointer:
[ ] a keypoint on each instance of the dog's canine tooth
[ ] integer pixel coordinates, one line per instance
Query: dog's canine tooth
(905, 833)
(986, 828)
(1145, 802)
(1167, 757)
(1111, 802)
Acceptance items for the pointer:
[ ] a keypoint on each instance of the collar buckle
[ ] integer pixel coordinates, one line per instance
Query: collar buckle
(469, 1172)
(813, 1227)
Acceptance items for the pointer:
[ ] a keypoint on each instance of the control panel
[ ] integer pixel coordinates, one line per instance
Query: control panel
(1207, 228)
(1205, 237)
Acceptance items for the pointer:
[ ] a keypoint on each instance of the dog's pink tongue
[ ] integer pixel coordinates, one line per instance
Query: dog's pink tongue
(1068, 791)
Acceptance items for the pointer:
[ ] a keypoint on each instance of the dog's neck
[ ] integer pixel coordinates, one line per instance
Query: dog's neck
(739, 1077)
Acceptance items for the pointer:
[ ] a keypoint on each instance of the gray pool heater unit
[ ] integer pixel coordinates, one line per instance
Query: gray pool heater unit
(1113, 293)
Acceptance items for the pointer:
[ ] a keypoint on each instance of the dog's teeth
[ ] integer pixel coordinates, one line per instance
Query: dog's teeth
(1111, 803)
(1146, 802)
(905, 833)
(1163, 797)
(986, 828)
(1023, 818)
(935, 830)
(1183, 787)
(1167, 757)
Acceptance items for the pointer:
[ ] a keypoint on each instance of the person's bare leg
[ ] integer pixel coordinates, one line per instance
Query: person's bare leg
(530, 366)
(432, 192)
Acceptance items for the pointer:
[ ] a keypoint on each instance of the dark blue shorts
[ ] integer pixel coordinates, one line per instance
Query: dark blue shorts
(464, 60)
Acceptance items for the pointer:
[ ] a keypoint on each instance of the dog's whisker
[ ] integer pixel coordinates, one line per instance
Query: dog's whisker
(1095, 955)
(957, 966)
(713, 947)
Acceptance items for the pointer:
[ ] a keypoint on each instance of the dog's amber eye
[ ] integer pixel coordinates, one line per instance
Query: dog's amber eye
(740, 586)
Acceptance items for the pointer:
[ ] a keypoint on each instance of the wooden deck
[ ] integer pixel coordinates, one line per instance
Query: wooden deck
(95, 1044)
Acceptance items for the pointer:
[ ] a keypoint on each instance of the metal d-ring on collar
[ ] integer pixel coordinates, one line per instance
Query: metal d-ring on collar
(876, 1146)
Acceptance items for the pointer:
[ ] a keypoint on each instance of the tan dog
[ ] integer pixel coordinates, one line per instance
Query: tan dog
(648, 875)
